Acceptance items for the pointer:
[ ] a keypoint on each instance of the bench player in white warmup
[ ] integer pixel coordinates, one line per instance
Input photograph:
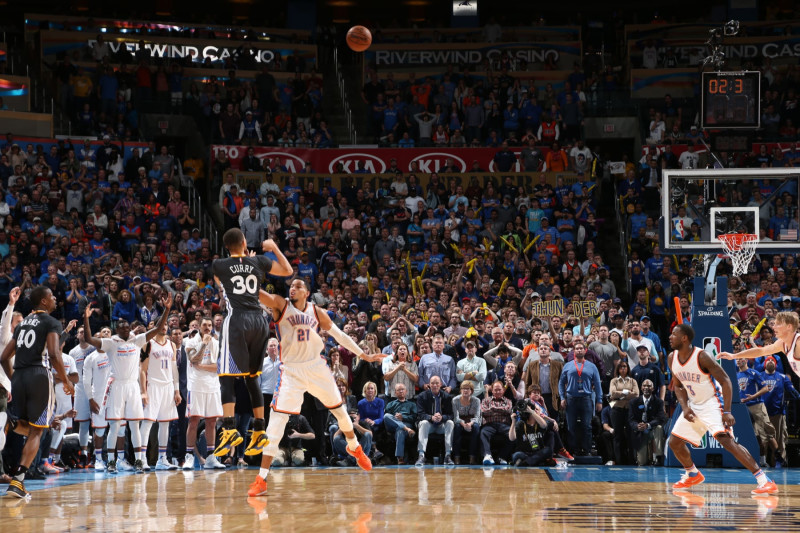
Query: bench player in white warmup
(303, 369)
(160, 394)
(96, 373)
(704, 392)
(204, 399)
(83, 411)
(125, 395)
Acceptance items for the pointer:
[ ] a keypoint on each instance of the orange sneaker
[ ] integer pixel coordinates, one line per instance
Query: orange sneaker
(689, 481)
(258, 487)
(767, 488)
(361, 458)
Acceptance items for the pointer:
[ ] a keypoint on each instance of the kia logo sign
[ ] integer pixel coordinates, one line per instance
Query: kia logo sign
(433, 161)
(370, 163)
(290, 161)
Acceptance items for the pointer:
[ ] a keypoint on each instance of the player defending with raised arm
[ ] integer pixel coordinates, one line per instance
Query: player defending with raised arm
(303, 369)
(125, 394)
(245, 332)
(704, 393)
(31, 380)
(786, 323)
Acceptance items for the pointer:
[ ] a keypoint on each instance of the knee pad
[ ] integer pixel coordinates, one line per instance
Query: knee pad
(227, 389)
(277, 424)
(253, 385)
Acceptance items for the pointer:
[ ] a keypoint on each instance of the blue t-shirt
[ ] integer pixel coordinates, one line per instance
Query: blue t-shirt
(750, 382)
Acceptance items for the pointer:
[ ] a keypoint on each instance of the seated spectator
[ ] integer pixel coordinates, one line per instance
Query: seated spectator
(370, 407)
(467, 422)
(532, 437)
(340, 443)
(435, 413)
(291, 446)
(496, 415)
(400, 418)
(647, 419)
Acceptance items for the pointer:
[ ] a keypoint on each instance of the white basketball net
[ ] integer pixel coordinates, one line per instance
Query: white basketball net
(740, 247)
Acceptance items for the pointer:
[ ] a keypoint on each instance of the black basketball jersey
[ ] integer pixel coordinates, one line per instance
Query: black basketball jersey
(31, 338)
(241, 279)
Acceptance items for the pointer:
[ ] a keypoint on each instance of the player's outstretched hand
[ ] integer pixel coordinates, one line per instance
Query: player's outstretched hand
(166, 300)
(71, 325)
(373, 357)
(88, 311)
(727, 355)
(13, 296)
(252, 253)
(689, 415)
(269, 245)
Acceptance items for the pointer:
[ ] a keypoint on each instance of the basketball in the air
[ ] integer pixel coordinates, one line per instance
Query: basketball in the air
(359, 38)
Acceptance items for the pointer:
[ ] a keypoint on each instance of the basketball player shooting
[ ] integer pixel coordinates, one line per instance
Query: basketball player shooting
(245, 332)
(704, 392)
(298, 323)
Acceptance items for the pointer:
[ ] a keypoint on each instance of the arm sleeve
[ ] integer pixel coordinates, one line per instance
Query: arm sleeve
(344, 340)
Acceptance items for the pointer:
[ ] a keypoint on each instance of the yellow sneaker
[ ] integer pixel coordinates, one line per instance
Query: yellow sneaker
(258, 442)
(229, 439)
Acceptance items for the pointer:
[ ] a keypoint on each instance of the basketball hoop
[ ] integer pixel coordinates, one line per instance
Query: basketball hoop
(740, 247)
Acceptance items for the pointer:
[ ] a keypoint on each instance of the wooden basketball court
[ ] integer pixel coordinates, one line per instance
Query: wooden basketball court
(495, 499)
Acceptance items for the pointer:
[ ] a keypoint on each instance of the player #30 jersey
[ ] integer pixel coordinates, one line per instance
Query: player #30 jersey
(159, 366)
(240, 278)
(298, 334)
(789, 351)
(31, 337)
(699, 385)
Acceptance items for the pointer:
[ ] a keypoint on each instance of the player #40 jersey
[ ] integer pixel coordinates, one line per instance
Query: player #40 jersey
(298, 334)
(699, 385)
(31, 338)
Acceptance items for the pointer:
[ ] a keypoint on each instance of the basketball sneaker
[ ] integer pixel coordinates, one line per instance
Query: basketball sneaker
(163, 464)
(112, 466)
(188, 462)
(138, 466)
(689, 480)
(361, 458)
(212, 463)
(124, 466)
(229, 439)
(564, 454)
(258, 442)
(48, 468)
(258, 487)
(17, 489)
(99, 465)
(767, 488)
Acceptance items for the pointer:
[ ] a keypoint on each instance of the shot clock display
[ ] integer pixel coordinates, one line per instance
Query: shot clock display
(731, 100)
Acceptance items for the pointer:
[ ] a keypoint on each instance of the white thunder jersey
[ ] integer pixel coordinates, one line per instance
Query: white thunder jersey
(96, 370)
(159, 366)
(202, 380)
(789, 351)
(700, 386)
(298, 334)
(79, 355)
(124, 356)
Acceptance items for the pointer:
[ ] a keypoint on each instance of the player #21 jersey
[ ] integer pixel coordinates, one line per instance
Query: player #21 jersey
(699, 385)
(298, 334)
(240, 278)
(31, 337)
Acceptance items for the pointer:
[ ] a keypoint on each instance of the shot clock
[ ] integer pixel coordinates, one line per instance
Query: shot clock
(731, 100)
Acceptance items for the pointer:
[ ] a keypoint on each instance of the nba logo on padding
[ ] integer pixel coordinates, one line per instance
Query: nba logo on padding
(712, 346)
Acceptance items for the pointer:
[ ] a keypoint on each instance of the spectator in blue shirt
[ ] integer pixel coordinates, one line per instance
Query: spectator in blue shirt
(578, 386)
(438, 364)
(752, 391)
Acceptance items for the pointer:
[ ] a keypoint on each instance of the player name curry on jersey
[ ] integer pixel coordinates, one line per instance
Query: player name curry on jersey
(699, 385)
(241, 278)
(789, 351)
(298, 334)
(31, 338)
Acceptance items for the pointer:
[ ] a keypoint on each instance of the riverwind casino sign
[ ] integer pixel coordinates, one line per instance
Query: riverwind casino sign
(412, 56)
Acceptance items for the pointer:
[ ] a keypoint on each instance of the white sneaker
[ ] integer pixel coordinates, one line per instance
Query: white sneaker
(99, 465)
(502, 461)
(487, 460)
(145, 466)
(212, 463)
(124, 466)
(163, 464)
(188, 462)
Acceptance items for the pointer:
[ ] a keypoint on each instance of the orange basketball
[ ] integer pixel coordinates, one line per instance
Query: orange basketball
(359, 38)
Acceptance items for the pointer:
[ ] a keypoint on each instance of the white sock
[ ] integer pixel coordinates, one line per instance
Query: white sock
(761, 477)
(692, 469)
(352, 443)
(263, 473)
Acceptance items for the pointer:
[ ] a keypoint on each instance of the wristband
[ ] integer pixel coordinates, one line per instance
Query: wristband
(726, 412)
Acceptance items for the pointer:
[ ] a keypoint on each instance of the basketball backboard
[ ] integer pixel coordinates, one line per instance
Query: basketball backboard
(699, 205)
